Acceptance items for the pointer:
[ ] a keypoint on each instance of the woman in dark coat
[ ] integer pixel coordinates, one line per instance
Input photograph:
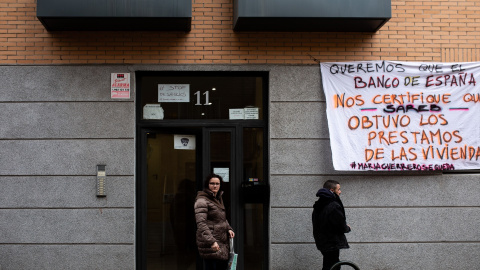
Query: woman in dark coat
(213, 229)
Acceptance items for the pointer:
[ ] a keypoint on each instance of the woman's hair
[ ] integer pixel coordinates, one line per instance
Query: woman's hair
(210, 176)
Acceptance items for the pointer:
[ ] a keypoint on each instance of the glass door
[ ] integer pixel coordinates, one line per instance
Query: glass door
(175, 164)
(219, 158)
(172, 173)
(254, 200)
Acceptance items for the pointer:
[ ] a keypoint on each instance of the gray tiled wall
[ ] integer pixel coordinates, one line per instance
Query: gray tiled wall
(58, 123)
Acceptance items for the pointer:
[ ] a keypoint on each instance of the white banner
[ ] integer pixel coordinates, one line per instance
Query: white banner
(385, 115)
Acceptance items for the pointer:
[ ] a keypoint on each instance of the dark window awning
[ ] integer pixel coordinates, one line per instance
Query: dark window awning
(168, 15)
(311, 15)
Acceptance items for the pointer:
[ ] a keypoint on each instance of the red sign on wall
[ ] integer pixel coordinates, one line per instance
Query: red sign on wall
(120, 85)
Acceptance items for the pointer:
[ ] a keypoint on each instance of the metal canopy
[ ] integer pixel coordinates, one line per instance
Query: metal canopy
(172, 15)
(311, 15)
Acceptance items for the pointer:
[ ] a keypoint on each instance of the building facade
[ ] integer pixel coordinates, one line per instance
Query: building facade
(60, 123)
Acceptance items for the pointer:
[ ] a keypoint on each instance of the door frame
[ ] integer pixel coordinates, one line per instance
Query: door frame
(236, 128)
(236, 156)
(143, 126)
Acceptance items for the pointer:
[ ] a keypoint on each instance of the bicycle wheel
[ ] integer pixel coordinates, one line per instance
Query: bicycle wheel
(354, 266)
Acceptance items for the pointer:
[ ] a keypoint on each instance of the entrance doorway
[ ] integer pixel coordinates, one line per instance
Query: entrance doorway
(174, 157)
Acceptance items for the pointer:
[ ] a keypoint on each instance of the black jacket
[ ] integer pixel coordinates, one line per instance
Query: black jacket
(329, 223)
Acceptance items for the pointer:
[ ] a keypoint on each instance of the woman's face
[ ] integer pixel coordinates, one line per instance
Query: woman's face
(214, 185)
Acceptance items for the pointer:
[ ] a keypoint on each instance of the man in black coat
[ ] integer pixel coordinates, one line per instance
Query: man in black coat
(329, 223)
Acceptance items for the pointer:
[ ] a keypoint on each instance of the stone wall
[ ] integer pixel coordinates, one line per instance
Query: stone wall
(59, 122)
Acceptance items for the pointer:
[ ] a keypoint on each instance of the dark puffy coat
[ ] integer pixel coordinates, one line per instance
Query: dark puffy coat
(212, 225)
(329, 222)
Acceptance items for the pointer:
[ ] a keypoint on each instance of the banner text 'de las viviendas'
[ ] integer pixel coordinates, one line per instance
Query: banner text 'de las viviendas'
(386, 115)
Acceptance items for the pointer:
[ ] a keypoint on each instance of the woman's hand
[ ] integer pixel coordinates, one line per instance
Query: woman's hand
(232, 234)
(215, 246)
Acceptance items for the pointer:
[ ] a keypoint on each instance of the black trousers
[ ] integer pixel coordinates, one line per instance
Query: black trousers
(330, 258)
(215, 264)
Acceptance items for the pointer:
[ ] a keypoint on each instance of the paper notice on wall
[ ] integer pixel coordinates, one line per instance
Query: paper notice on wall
(251, 113)
(236, 114)
(173, 93)
(184, 142)
(223, 172)
(120, 85)
(152, 111)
